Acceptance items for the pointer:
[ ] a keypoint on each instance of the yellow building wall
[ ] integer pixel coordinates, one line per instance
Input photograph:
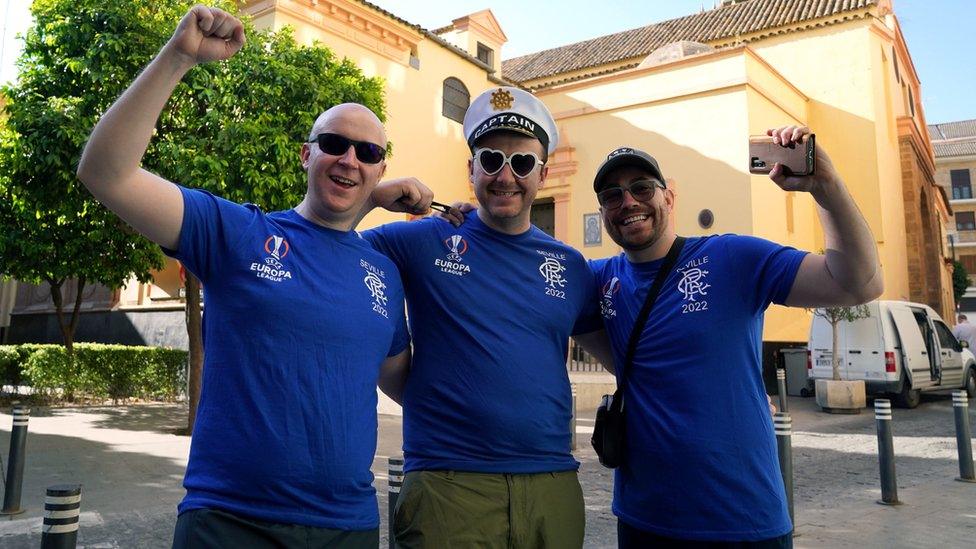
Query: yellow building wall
(853, 106)
(661, 111)
(468, 41)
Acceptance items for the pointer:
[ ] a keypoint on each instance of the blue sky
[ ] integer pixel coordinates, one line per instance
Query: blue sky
(938, 33)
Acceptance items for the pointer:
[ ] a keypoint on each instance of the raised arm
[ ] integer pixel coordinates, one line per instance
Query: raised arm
(848, 273)
(110, 163)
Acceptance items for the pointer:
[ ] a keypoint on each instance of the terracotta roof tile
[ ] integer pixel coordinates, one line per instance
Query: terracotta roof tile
(720, 23)
(953, 130)
(953, 138)
(959, 148)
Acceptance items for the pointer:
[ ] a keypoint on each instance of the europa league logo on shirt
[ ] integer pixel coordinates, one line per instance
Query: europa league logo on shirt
(273, 269)
(457, 246)
(280, 249)
(606, 300)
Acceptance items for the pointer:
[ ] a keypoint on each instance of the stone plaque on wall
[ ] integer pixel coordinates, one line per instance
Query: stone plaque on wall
(592, 232)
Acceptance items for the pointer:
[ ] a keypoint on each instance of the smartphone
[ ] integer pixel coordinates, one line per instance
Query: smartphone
(798, 159)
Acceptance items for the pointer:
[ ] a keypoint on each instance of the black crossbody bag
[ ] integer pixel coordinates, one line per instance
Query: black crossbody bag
(609, 434)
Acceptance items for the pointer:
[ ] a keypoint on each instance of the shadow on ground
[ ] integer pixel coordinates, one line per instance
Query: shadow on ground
(129, 490)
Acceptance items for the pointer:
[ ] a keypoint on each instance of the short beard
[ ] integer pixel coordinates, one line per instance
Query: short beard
(657, 231)
(638, 247)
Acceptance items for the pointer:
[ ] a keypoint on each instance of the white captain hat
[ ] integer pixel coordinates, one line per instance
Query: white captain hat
(511, 109)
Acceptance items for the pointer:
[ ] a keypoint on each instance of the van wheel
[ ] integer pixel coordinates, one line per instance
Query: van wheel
(908, 397)
(971, 382)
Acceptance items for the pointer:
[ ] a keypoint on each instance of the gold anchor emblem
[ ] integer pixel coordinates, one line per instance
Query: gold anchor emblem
(501, 99)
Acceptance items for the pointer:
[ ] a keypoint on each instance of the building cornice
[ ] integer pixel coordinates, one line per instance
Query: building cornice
(369, 21)
(363, 25)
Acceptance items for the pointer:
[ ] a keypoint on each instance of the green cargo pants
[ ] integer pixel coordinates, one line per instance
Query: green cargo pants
(438, 509)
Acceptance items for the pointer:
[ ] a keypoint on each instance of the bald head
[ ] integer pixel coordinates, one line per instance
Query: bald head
(352, 120)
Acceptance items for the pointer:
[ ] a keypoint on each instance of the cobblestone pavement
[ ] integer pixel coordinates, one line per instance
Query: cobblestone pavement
(131, 466)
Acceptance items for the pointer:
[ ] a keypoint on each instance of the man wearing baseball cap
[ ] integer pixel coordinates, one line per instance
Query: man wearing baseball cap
(492, 304)
(700, 461)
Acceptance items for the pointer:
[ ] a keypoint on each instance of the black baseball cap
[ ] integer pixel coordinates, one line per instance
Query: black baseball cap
(626, 156)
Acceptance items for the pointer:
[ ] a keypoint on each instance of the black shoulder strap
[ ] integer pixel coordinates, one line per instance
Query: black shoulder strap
(645, 311)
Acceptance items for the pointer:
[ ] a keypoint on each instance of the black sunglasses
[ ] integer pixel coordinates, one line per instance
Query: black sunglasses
(337, 145)
(492, 161)
(642, 190)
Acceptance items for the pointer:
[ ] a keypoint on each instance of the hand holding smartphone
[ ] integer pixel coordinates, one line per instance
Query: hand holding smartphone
(798, 159)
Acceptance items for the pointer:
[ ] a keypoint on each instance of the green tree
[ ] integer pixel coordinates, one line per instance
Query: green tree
(834, 316)
(232, 128)
(960, 280)
(51, 231)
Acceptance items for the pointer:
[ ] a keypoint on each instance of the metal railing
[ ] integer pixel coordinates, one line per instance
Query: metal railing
(582, 361)
(965, 235)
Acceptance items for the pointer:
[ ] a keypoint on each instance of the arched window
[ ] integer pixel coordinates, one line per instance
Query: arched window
(456, 99)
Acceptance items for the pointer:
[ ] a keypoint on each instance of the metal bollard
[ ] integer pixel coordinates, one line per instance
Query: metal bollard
(572, 421)
(964, 436)
(886, 453)
(62, 507)
(395, 482)
(781, 387)
(783, 424)
(18, 454)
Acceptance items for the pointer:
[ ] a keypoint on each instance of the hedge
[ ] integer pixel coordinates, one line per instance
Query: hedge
(96, 371)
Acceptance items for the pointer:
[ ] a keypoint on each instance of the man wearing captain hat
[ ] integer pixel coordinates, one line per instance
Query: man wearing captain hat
(492, 303)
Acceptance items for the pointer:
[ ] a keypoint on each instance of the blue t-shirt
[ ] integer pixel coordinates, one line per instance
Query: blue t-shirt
(701, 460)
(298, 319)
(490, 316)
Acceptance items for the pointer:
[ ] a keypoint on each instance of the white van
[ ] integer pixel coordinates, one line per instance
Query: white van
(901, 349)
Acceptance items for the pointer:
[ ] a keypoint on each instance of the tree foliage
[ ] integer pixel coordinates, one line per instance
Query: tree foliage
(77, 57)
(960, 280)
(235, 128)
(232, 128)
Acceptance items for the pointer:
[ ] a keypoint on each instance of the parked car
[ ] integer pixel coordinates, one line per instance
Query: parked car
(901, 349)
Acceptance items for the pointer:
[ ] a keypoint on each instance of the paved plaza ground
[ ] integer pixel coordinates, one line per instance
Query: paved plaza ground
(131, 467)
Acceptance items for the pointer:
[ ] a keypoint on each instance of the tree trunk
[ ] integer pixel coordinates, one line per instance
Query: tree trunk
(67, 328)
(835, 359)
(76, 312)
(195, 336)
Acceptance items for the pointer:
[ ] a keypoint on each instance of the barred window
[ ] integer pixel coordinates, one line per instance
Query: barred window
(456, 99)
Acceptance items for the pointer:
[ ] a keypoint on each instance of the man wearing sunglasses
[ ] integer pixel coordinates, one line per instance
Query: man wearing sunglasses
(700, 460)
(303, 317)
(492, 304)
